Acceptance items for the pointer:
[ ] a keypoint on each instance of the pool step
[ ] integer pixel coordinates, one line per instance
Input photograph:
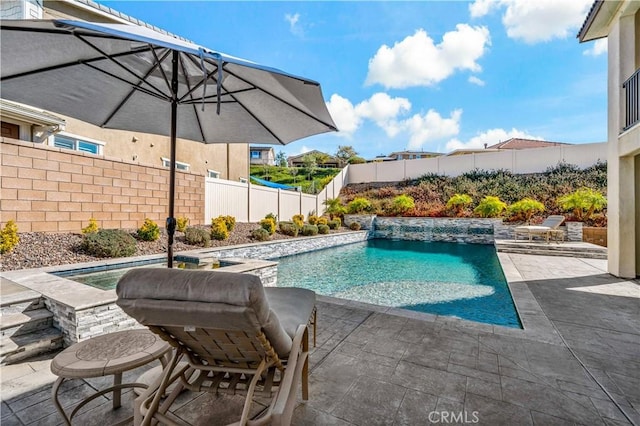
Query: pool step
(567, 249)
(25, 324)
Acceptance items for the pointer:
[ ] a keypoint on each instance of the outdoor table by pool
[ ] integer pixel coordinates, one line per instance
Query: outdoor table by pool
(109, 354)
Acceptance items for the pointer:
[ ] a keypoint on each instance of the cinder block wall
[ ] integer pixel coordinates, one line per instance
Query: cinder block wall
(47, 189)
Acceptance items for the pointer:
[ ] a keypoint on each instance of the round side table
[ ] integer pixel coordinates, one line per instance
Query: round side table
(105, 355)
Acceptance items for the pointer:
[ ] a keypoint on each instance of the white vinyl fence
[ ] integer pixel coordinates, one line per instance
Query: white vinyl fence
(533, 160)
(250, 203)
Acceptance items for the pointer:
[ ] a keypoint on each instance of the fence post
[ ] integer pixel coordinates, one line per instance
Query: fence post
(278, 213)
(248, 201)
(300, 202)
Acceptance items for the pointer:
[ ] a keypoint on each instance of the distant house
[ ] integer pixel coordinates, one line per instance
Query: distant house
(412, 155)
(513, 143)
(261, 156)
(298, 160)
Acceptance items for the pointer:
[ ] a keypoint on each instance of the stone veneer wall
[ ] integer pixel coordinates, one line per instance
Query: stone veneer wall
(461, 230)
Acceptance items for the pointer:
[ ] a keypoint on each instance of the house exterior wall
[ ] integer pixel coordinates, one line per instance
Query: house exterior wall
(55, 190)
(623, 232)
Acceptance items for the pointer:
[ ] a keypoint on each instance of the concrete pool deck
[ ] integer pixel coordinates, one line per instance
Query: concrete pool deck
(576, 361)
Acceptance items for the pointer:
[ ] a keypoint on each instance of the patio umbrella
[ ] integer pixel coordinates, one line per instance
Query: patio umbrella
(133, 78)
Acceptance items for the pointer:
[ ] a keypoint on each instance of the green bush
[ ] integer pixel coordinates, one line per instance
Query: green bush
(312, 219)
(197, 237)
(402, 204)
(261, 234)
(490, 207)
(288, 228)
(323, 229)
(334, 207)
(9, 238)
(272, 216)
(298, 219)
(182, 223)
(219, 229)
(525, 209)
(458, 202)
(334, 224)
(230, 222)
(109, 243)
(359, 205)
(149, 231)
(269, 225)
(355, 226)
(309, 230)
(91, 227)
(583, 203)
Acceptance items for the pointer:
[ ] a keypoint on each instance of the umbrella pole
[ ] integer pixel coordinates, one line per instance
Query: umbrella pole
(171, 220)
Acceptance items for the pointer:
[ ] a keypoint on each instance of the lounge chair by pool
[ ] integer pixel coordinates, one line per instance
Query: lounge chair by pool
(547, 228)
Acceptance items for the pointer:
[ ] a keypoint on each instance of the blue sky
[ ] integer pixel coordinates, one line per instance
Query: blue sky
(432, 76)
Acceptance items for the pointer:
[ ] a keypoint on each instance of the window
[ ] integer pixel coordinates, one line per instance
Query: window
(213, 174)
(255, 155)
(67, 141)
(179, 166)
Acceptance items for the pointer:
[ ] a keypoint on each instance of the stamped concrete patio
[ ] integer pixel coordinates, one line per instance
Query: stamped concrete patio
(576, 362)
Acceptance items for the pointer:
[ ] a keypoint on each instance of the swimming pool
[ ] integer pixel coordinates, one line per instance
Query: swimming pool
(462, 280)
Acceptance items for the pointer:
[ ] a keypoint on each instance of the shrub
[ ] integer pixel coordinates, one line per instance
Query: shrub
(269, 225)
(322, 221)
(525, 209)
(334, 224)
(272, 216)
(182, 223)
(230, 222)
(9, 238)
(359, 205)
(149, 231)
(261, 234)
(402, 204)
(334, 207)
(490, 207)
(109, 243)
(197, 237)
(323, 229)
(312, 219)
(458, 202)
(355, 226)
(309, 230)
(219, 229)
(298, 219)
(288, 228)
(583, 203)
(91, 227)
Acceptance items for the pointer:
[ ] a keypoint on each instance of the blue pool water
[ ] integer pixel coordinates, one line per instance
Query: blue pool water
(462, 280)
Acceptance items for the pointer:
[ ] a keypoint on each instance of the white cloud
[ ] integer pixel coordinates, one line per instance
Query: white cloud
(418, 61)
(431, 126)
(344, 115)
(535, 21)
(384, 110)
(475, 80)
(598, 48)
(490, 137)
(293, 20)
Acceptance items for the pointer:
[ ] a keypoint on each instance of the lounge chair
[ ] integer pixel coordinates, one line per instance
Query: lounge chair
(235, 337)
(547, 228)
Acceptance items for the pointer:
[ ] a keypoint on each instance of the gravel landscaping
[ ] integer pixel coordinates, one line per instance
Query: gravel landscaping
(38, 249)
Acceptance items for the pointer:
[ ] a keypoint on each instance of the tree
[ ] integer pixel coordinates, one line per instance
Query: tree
(356, 160)
(345, 152)
(321, 158)
(310, 164)
(281, 159)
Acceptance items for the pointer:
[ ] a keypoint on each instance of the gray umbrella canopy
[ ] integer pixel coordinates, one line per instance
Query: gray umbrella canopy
(132, 78)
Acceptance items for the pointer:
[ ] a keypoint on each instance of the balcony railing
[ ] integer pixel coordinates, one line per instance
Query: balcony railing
(631, 93)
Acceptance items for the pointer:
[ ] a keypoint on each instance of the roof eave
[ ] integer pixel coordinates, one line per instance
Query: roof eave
(599, 20)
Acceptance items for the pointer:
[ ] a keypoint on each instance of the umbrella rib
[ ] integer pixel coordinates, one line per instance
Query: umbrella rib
(137, 87)
(331, 126)
(158, 64)
(201, 82)
(107, 56)
(59, 66)
(195, 108)
(216, 96)
(133, 86)
(280, 141)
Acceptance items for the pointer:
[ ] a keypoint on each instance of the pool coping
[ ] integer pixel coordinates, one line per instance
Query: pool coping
(535, 324)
